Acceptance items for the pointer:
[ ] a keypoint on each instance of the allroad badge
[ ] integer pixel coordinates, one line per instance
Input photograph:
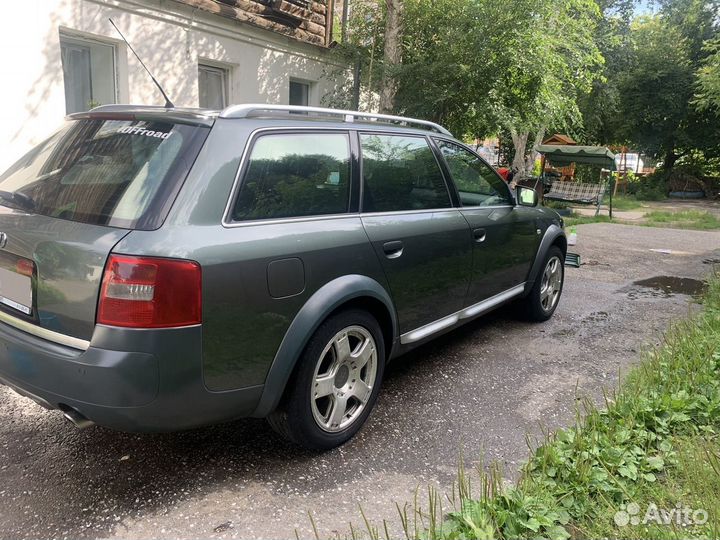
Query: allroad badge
(3, 240)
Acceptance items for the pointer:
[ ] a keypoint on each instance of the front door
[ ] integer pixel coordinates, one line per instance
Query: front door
(505, 237)
(422, 242)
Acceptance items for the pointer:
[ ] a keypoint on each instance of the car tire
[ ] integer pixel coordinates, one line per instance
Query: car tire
(335, 383)
(544, 297)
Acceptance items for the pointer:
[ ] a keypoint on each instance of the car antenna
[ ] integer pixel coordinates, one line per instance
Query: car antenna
(168, 103)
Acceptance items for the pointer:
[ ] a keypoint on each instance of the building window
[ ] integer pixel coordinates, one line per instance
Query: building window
(88, 73)
(212, 87)
(299, 93)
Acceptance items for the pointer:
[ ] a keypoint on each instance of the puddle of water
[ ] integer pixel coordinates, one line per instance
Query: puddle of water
(666, 286)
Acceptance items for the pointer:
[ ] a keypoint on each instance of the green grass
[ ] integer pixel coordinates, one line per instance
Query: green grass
(693, 483)
(584, 220)
(686, 219)
(625, 202)
(655, 440)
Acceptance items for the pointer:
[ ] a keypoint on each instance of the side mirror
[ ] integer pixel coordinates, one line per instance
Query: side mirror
(526, 196)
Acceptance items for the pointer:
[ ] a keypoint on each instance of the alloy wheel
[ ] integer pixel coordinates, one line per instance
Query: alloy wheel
(344, 378)
(551, 284)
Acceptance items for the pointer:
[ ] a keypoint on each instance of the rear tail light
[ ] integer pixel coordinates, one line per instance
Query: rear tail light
(149, 292)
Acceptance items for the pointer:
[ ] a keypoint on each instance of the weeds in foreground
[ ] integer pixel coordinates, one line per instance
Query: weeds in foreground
(660, 426)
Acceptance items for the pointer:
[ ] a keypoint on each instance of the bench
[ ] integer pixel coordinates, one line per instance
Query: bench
(579, 193)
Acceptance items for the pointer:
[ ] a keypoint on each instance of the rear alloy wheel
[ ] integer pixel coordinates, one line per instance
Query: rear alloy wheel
(336, 382)
(544, 297)
(344, 379)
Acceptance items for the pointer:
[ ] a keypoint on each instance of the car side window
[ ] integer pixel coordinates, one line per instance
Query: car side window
(476, 182)
(295, 175)
(400, 172)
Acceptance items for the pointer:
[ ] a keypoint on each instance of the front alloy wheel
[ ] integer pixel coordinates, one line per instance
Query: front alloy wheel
(551, 283)
(544, 297)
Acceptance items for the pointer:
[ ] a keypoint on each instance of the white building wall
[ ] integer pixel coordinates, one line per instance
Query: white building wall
(170, 38)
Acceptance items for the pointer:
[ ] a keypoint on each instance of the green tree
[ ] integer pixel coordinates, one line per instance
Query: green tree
(484, 66)
(646, 98)
(656, 90)
(708, 96)
(551, 60)
(600, 108)
(480, 66)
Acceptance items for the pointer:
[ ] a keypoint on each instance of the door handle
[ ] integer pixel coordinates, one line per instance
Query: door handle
(479, 235)
(393, 249)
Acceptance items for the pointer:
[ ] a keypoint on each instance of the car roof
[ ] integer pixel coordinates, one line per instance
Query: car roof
(287, 115)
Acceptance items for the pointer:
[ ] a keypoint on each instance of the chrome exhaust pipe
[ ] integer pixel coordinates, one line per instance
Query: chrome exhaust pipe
(77, 418)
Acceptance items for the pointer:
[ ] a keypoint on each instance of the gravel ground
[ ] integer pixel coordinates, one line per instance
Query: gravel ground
(477, 391)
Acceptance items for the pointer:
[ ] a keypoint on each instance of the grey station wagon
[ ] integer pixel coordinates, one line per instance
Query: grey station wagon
(162, 269)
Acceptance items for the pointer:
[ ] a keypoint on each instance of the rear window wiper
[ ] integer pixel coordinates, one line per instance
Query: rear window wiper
(19, 200)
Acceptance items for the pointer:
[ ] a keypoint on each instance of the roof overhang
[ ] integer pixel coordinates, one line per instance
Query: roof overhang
(563, 155)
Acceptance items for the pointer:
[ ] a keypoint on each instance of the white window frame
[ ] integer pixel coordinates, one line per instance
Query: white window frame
(71, 38)
(224, 71)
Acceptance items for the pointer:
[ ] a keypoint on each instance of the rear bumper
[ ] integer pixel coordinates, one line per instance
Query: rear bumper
(128, 379)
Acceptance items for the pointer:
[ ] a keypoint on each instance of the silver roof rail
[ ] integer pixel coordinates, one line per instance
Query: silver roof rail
(244, 111)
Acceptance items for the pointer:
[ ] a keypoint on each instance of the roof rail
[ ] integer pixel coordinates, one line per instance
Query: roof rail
(244, 111)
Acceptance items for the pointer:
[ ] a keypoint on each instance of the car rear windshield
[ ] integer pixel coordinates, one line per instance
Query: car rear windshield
(119, 173)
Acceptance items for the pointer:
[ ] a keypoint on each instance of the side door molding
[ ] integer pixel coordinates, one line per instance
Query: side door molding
(469, 312)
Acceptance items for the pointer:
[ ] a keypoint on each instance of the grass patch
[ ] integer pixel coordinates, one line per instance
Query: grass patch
(654, 441)
(576, 219)
(686, 219)
(691, 484)
(625, 202)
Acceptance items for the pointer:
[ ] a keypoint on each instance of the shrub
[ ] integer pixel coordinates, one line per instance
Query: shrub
(652, 187)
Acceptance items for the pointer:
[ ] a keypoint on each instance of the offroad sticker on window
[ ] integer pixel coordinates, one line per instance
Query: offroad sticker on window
(137, 130)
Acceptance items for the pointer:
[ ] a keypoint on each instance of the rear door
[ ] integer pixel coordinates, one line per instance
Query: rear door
(422, 242)
(504, 235)
(65, 205)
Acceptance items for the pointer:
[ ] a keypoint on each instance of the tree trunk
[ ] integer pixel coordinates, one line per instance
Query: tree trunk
(519, 164)
(531, 155)
(670, 158)
(392, 55)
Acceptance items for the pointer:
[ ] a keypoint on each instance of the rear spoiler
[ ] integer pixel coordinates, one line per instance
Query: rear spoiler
(193, 117)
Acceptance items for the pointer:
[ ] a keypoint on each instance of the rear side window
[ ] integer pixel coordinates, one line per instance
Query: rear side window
(121, 173)
(476, 182)
(400, 173)
(295, 175)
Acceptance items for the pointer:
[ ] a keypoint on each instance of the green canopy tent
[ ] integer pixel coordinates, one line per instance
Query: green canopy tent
(564, 155)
